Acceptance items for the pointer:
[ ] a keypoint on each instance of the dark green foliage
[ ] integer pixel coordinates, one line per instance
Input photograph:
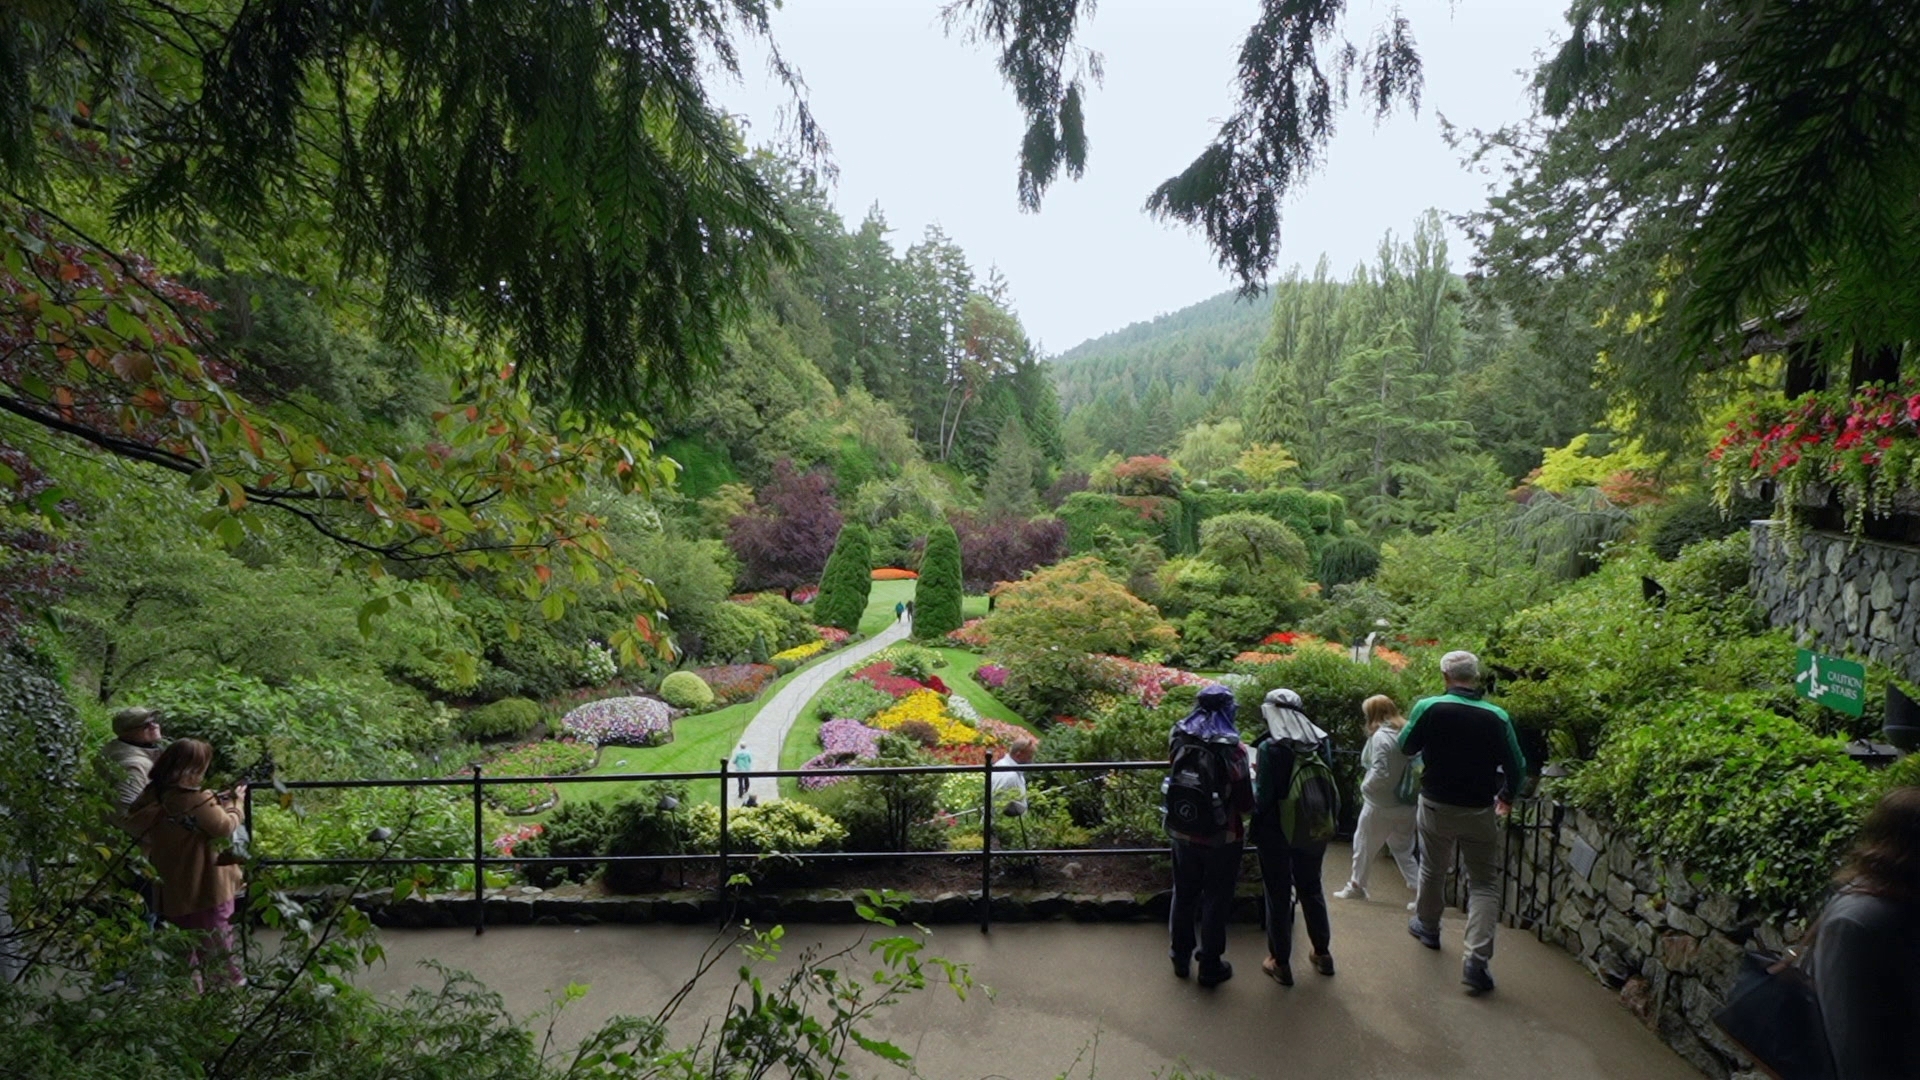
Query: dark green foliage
(846, 581)
(311, 727)
(1694, 518)
(1346, 559)
(750, 631)
(936, 599)
(508, 718)
(40, 725)
(1751, 801)
(704, 467)
(686, 690)
(888, 813)
(634, 826)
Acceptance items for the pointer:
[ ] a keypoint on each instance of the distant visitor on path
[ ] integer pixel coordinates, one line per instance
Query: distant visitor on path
(1472, 769)
(1866, 947)
(742, 761)
(899, 610)
(1296, 808)
(1384, 817)
(1207, 794)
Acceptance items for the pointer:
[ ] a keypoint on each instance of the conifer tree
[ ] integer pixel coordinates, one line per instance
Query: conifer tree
(846, 581)
(1009, 490)
(937, 598)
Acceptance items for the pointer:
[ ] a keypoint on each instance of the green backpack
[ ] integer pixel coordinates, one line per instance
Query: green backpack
(1309, 809)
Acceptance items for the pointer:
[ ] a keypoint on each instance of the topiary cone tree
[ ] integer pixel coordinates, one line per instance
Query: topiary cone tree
(936, 600)
(846, 580)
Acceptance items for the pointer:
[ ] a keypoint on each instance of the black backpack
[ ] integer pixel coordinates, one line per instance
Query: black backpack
(1197, 794)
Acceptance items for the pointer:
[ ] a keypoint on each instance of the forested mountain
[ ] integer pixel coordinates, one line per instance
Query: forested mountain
(1194, 346)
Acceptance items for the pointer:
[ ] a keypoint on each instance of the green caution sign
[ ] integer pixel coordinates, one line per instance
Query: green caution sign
(1831, 681)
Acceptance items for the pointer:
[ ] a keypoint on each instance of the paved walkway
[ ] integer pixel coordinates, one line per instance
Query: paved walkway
(1102, 995)
(767, 732)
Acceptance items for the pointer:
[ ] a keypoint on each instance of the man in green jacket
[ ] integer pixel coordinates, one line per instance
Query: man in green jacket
(1472, 768)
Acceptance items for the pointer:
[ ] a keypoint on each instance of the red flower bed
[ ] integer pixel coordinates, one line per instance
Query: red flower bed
(734, 683)
(880, 676)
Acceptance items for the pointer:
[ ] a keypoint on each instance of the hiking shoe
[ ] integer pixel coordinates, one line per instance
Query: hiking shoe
(1182, 966)
(1476, 976)
(1350, 891)
(1429, 938)
(1278, 970)
(1215, 976)
(1322, 962)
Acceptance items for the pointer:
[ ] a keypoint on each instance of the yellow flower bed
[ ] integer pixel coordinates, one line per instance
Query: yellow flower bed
(800, 652)
(926, 707)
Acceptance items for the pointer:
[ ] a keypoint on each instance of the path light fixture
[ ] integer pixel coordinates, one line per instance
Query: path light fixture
(380, 834)
(1874, 755)
(667, 804)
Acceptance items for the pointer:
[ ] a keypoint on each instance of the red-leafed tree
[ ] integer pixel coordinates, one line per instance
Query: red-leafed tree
(784, 538)
(993, 550)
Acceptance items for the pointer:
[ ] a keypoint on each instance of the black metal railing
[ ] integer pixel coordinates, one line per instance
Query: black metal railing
(481, 858)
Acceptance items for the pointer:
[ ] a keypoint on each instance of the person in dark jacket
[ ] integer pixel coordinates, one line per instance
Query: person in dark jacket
(1866, 947)
(1206, 865)
(1289, 866)
(1473, 768)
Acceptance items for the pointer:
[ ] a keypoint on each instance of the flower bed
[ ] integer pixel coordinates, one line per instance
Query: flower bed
(1002, 733)
(734, 683)
(535, 759)
(799, 654)
(894, 573)
(880, 676)
(972, 634)
(991, 676)
(1149, 682)
(843, 742)
(927, 708)
(624, 721)
(505, 843)
(832, 635)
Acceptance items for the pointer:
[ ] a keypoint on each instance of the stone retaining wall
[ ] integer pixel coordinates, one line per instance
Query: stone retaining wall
(1858, 596)
(1643, 928)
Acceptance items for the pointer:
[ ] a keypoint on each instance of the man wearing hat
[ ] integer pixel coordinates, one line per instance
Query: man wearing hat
(135, 746)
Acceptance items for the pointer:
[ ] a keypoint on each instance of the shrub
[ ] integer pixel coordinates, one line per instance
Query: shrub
(937, 597)
(590, 831)
(1075, 605)
(1689, 520)
(1044, 683)
(971, 635)
(1753, 802)
(785, 825)
(1346, 559)
(508, 718)
(850, 699)
(622, 721)
(734, 683)
(685, 690)
(913, 661)
(597, 664)
(534, 759)
(919, 731)
(847, 580)
(892, 812)
(991, 676)
(429, 823)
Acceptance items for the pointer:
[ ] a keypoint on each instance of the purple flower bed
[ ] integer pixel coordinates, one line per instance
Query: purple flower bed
(623, 721)
(991, 676)
(843, 742)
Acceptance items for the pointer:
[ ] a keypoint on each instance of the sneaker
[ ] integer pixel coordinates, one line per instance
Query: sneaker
(1429, 938)
(1351, 892)
(1476, 977)
(1278, 970)
(1322, 962)
(1215, 976)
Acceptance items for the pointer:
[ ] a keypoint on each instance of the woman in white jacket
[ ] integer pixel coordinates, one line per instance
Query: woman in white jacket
(1384, 819)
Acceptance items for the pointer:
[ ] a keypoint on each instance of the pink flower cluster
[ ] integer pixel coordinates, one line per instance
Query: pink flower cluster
(622, 721)
(843, 742)
(1002, 733)
(733, 683)
(832, 635)
(973, 634)
(992, 676)
(504, 844)
(1150, 682)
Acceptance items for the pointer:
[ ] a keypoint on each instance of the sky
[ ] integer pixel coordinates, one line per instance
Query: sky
(922, 124)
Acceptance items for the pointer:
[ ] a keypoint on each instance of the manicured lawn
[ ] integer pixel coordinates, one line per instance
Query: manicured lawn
(958, 675)
(973, 607)
(879, 614)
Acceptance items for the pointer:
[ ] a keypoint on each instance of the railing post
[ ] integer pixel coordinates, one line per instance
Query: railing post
(721, 886)
(479, 857)
(986, 840)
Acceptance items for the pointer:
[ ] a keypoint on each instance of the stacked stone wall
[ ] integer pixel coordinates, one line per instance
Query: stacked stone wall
(1845, 595)
(1646, 930)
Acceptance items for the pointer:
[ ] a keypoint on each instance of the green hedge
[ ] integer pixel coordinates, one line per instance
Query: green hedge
(1750, 801)
(685, 690)
(1174, 524)
(846, 581)
(508, 718)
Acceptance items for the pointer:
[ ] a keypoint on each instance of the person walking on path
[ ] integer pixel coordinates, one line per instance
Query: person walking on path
(742, 762)
(899, 610)
(1866, 946)
(1384, 819)
(1208, 793)
(1290, 864)
(1472, 766)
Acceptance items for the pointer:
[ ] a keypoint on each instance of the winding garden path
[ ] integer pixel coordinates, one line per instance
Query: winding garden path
(767, 732)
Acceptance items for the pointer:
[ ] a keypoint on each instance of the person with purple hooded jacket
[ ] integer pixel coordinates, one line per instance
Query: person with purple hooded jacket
(1206, 864)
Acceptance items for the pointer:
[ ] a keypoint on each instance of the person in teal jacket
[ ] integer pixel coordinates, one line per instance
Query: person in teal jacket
(1473, 767)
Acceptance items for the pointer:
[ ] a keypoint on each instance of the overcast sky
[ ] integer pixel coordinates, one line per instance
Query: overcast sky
(921, 123)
